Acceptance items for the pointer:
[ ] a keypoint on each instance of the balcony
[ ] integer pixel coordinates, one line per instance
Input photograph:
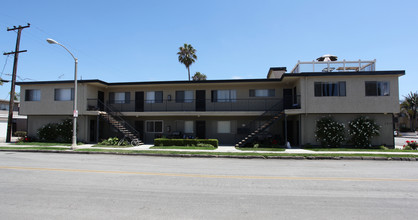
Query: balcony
(254, 104)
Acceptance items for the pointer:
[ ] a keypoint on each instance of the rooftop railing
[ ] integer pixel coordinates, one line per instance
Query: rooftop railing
(334, 66)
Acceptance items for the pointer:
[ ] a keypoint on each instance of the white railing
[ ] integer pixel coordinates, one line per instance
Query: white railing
(334, 66)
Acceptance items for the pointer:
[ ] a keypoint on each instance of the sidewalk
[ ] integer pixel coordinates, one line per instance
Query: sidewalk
(227, 149)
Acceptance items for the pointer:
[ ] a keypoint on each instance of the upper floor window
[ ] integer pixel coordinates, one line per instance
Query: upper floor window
(330, 89)
(154, 97)
(377, 88)
(184, 96)
(224, 95)
(64, 94)
(32, 95)
(262, 92)
(119, 97)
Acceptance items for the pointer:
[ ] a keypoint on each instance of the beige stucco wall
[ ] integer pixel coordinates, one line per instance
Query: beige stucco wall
(308, 126)
(355, 100)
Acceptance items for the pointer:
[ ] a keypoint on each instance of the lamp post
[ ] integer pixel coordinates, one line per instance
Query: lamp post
(75, 112)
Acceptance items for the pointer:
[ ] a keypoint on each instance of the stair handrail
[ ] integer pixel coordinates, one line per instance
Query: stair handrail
(117, 114)
(272, 111)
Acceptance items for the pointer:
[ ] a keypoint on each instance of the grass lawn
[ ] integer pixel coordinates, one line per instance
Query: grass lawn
(43, 144)
(358, 149)
(111, 146)
(261, 149)
(183, 148)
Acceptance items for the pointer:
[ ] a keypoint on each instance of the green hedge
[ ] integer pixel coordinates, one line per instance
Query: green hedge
(184, 142)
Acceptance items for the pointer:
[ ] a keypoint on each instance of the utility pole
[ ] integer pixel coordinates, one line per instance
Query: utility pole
(12, 90)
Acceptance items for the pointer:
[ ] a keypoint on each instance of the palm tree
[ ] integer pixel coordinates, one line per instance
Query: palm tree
(187, 56)
(410, 107)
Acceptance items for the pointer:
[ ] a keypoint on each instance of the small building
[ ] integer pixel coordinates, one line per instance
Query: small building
(282, 107)
(19, 121)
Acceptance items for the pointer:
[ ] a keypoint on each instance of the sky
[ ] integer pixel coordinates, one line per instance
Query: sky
(134, 41)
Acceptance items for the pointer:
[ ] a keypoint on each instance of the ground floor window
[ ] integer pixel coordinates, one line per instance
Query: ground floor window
(188, 127)
(224, 127)
(154, 126)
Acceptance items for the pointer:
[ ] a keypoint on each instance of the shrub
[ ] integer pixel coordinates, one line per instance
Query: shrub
(110, 141)
(20, 134)
(362, 130)
(57, 132)
(410, 145)
(185, 142)
(329, 132)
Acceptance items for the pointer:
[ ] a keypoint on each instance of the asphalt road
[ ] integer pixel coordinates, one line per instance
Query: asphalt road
(74, 186)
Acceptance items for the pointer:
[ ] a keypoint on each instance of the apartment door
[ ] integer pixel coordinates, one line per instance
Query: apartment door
(287, 98)
(201, 129)
(200, 100)
(139, 126)
(100, 100)
(93, 131)
(139, 101)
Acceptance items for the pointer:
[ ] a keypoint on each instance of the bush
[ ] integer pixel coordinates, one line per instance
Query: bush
(20, 134)
(185, 142)
(110, 141)
(57, 132)
(329, 132)
(362, 130)
(410, 145)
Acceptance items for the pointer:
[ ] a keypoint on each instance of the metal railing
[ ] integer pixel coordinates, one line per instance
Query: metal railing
(334, 66)
(254, 104)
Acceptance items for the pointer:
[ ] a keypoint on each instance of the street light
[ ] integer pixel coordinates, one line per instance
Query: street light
(75, 112)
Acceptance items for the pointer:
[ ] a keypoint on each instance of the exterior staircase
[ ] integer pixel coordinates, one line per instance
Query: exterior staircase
(113, 118)
(269, 117)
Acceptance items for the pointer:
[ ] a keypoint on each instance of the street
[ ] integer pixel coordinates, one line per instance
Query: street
(78, 186)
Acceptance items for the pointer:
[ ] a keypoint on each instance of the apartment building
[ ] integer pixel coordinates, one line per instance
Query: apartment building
(281, 108)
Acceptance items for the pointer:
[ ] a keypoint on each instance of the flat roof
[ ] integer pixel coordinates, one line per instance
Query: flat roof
(304, 74)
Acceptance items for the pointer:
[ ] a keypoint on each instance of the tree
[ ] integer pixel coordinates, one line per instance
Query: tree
(199, 76)
(410, 107)
(329, 132)
(362, 130)
(187, 56)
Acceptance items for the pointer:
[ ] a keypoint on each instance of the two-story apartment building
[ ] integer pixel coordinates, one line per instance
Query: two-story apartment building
(283, 107)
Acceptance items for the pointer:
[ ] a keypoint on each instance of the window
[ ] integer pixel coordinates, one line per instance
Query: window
(119, 97)
(330, 89)
(32, 95)
(64, 94)
(154, 97)
(188, 127)
(262, 92)
(376, 88)
(154, 126)
(184, 96)
(224, 95)
(224, 127)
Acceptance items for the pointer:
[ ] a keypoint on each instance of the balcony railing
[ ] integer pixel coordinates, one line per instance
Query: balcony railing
(186, 105)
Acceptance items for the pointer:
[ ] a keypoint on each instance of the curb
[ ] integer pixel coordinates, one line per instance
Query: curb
(221, 156)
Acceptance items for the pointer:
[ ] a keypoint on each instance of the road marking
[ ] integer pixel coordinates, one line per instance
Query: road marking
(212, 176)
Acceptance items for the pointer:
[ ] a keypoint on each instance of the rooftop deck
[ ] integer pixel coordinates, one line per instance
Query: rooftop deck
(334, 66)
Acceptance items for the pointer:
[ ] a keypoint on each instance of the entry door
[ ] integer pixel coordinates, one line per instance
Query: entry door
(139, 126)
(200, 100)
(287, 98)
(100, 100)
(201, 129)
(139, 101)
